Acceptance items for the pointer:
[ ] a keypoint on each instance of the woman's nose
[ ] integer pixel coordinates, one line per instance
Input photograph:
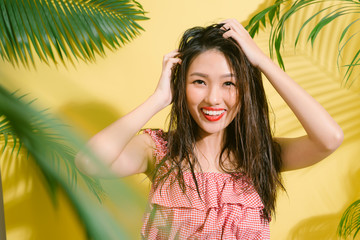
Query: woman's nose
(213, 96)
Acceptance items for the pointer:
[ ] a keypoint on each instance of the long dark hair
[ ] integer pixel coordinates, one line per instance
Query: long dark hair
(248, 138)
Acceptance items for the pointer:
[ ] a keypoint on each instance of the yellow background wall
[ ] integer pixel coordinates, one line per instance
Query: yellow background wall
(93, 95)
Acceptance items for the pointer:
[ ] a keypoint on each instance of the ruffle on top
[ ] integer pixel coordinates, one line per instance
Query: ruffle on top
(160, 150)
(215, 188)
(228, 209)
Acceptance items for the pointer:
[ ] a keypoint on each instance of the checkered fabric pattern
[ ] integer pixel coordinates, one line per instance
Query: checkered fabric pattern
(228, 209)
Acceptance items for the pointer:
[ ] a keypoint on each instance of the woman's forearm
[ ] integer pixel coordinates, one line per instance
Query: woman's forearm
(318, 124)
(108, 144)
(116, 145)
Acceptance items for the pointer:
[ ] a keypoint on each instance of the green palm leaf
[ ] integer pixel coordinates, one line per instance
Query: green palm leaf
(321, 16)
(40, 135)
(350, 221)
(53, 148)
(65, 29)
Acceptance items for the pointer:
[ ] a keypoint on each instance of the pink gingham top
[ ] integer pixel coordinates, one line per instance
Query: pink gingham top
(228, 209)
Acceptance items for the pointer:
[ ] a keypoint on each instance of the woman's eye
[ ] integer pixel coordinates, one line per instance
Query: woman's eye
(199, 82)
(229, 84)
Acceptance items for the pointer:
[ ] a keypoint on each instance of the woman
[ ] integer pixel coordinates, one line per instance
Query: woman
(216, 171)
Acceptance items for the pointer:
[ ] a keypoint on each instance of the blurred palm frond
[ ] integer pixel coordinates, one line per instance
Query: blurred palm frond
(53, 147)
(44, 137)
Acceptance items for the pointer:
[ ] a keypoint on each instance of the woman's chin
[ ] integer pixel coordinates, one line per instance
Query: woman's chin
(210, 130)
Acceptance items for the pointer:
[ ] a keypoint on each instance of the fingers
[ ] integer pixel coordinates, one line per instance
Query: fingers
(228, 33)
(234, 25)
(238, 33)
(172, 58)
(171, 54)
(234, 30)
(172, 62)
(231, 24)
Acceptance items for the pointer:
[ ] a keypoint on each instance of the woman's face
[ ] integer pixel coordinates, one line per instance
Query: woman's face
(211, 93)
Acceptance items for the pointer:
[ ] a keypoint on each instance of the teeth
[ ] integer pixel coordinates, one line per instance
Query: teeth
(213, 113)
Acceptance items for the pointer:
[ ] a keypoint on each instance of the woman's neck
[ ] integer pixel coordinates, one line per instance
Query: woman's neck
(208, 148)
(210, 143)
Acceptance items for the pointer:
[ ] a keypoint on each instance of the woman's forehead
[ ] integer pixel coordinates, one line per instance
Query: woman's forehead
(210, 62)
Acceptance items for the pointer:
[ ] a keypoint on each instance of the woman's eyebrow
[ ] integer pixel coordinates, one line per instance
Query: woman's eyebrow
(228, 75)
(199, 74)
(206, 75)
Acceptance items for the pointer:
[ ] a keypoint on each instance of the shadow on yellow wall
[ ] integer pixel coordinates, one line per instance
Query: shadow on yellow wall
(318, 195)
(324, 226)
(89, 117)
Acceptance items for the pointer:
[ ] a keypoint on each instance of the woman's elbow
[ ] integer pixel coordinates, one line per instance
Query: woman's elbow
(335, 140)
(81, 163)
(89, 166)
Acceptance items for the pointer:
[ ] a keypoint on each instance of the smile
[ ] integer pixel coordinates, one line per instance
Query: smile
(213, 114)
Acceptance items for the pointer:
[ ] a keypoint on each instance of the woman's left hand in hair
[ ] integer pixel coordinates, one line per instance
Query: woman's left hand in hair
(323, 134)
(237, 32)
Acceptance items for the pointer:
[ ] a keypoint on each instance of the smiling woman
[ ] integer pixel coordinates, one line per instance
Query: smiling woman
(216, 171)
(211, 94)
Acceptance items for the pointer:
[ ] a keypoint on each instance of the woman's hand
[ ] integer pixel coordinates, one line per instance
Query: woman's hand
(164, 89)
(324, 135)
(118, 146)
(237, 32)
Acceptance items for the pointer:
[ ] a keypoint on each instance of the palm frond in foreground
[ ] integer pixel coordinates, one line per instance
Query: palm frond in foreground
(53, 147)
(65, 28)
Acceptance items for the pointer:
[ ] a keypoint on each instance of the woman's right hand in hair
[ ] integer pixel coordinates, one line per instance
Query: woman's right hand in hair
(164, 89)
(118, 146)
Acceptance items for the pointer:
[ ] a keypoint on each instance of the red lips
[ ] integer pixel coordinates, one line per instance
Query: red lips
(213, 118)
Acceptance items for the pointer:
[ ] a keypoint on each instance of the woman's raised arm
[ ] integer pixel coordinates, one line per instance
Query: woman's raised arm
(324, 135)
(117, 146)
